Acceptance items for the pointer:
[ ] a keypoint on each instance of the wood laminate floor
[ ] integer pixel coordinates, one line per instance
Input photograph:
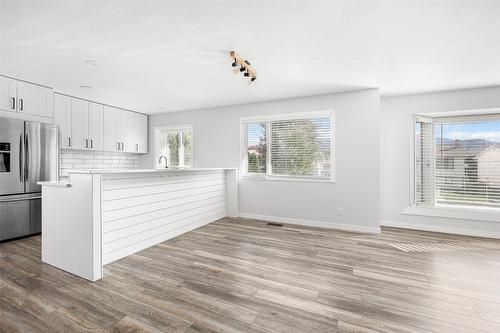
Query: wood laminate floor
(246, 276)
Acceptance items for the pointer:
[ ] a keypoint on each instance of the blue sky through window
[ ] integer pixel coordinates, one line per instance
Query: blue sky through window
(255, 131)
(489, 130)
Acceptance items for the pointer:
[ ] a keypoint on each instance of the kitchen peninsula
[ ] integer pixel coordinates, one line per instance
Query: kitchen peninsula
(98, 216)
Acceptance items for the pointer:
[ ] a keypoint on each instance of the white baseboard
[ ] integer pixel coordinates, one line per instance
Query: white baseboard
(443, 229)
(313, 223)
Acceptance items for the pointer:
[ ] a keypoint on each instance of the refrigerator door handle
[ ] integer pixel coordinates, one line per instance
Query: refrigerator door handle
(26, 157)
(21, 158)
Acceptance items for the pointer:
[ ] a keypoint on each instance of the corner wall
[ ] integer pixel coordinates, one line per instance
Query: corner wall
(216, 134)
(396, 129)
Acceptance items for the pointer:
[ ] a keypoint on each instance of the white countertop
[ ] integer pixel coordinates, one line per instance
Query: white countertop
(66, 182)
(60, 183)
(112, 171)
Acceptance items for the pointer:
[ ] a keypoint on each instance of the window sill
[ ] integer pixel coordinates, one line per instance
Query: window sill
(463, 213)
(286, 179)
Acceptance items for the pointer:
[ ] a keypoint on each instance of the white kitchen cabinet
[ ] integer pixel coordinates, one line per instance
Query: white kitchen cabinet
(140, 133)
(95, 126)
(126, 131)
(86, 125)
(26, 98)
(8, 94)
(62, 117)
(111, 140)
(79, 124)
(34, 99)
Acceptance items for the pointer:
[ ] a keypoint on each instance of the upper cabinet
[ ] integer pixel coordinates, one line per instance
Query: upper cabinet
(8, 94)
(26, 98)
(96, 134)
(80, 123)
(125, 131)
(62, 117)
(111, 126)
(140, 133)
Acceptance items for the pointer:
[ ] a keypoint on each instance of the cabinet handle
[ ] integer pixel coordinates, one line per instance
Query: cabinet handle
(91, 143)
(21, 104)
(13, 103)
(69, 141)
(86, 143)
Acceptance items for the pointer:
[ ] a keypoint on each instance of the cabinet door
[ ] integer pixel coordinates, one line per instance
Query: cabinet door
(140, 133)
(127, 130)
(35, 100)
(62, 117)
(110, 125)
(96, 126)
(8, 93)
(79, 123)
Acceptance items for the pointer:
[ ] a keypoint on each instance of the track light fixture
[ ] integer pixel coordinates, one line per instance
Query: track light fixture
(245, 66)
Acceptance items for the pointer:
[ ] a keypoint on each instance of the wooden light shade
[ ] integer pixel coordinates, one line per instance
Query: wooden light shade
(252, 73)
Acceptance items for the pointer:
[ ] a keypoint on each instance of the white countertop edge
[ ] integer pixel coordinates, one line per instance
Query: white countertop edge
(63, 183)
(113, 171)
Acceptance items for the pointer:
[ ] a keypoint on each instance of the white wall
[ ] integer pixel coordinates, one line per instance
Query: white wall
(396, 114)
(357, 189)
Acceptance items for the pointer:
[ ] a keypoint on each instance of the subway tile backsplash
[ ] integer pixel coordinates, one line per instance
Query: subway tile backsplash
(74, 159)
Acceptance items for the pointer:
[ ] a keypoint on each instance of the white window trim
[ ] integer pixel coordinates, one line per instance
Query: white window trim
(448, 211)
(159, 145)
(244, 175)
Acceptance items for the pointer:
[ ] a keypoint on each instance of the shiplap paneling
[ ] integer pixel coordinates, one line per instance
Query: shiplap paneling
(142, 210)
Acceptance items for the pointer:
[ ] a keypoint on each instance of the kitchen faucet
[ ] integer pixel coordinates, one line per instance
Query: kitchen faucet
(166, 161)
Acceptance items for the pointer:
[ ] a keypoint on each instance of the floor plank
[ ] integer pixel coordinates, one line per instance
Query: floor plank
(239, 275)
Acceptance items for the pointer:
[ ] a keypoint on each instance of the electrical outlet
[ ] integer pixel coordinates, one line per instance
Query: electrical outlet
(339, 212)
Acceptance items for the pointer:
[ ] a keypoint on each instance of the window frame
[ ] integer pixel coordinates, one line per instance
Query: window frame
(159, 132)
(445, 210)
(245, 175)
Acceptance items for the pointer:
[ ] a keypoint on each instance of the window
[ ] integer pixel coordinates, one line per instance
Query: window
(177, 145)
(293, 146)
(457, 161)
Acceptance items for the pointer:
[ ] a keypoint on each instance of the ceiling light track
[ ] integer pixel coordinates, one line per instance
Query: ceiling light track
(244, 66)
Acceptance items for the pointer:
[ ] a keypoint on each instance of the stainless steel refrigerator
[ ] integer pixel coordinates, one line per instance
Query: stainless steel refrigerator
(29, 153)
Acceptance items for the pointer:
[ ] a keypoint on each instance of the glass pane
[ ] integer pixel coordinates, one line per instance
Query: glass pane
(187, 139)
(301, 147)
(173, 146)
(468, 163)
(256, 147)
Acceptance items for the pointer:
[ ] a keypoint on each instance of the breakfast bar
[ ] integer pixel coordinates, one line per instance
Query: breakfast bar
(98, 216)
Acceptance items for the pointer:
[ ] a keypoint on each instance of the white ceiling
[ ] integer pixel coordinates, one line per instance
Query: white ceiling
(168, 56)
